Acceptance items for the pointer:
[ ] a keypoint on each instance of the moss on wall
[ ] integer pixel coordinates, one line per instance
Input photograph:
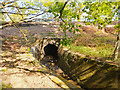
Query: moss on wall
(88, 72)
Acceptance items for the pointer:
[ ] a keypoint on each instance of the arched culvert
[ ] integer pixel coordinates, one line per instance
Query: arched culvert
(51, 50)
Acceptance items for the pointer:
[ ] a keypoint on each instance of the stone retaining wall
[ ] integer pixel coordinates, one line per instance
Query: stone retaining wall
(87, 72)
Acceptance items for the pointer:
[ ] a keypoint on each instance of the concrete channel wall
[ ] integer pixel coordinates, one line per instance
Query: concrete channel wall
(87, 72)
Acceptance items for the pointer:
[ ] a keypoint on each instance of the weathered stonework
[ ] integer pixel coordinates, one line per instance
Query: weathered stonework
(87, 72)
(38, 49)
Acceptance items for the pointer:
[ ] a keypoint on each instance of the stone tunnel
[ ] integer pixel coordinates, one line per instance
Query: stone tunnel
(51, 50)
(46, 47)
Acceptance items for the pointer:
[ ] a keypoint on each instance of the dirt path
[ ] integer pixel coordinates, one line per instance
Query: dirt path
(23, 72)
(20, 69)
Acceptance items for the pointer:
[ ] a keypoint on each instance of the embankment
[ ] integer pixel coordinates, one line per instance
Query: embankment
(87, 72)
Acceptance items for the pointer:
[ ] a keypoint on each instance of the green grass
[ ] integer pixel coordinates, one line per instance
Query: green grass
(90, 51)
(3, 85)
(93, 45)
(4, 70)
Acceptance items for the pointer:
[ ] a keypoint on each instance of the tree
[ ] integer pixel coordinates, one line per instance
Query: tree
(116, 54)
(100, 13)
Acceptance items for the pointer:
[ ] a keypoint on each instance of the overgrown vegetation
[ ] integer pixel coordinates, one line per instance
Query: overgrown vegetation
(94, 44)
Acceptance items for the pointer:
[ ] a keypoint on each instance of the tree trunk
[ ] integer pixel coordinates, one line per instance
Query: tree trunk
(116, 55)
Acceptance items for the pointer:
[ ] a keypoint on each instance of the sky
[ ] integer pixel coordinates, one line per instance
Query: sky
(41, 16)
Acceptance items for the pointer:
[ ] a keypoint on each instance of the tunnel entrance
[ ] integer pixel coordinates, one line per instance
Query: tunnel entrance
(51, 50)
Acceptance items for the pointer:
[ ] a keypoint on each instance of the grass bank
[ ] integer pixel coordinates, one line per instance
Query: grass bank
(94, 44)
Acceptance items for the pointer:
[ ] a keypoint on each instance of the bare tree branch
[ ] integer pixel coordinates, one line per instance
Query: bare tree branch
(37, 15)
(20, 13)
(3, 3)
(62, 10)
(17, 13)
(21, 7)
(22, 20)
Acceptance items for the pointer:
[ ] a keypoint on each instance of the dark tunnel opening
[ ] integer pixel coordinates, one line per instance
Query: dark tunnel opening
(51, 50)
